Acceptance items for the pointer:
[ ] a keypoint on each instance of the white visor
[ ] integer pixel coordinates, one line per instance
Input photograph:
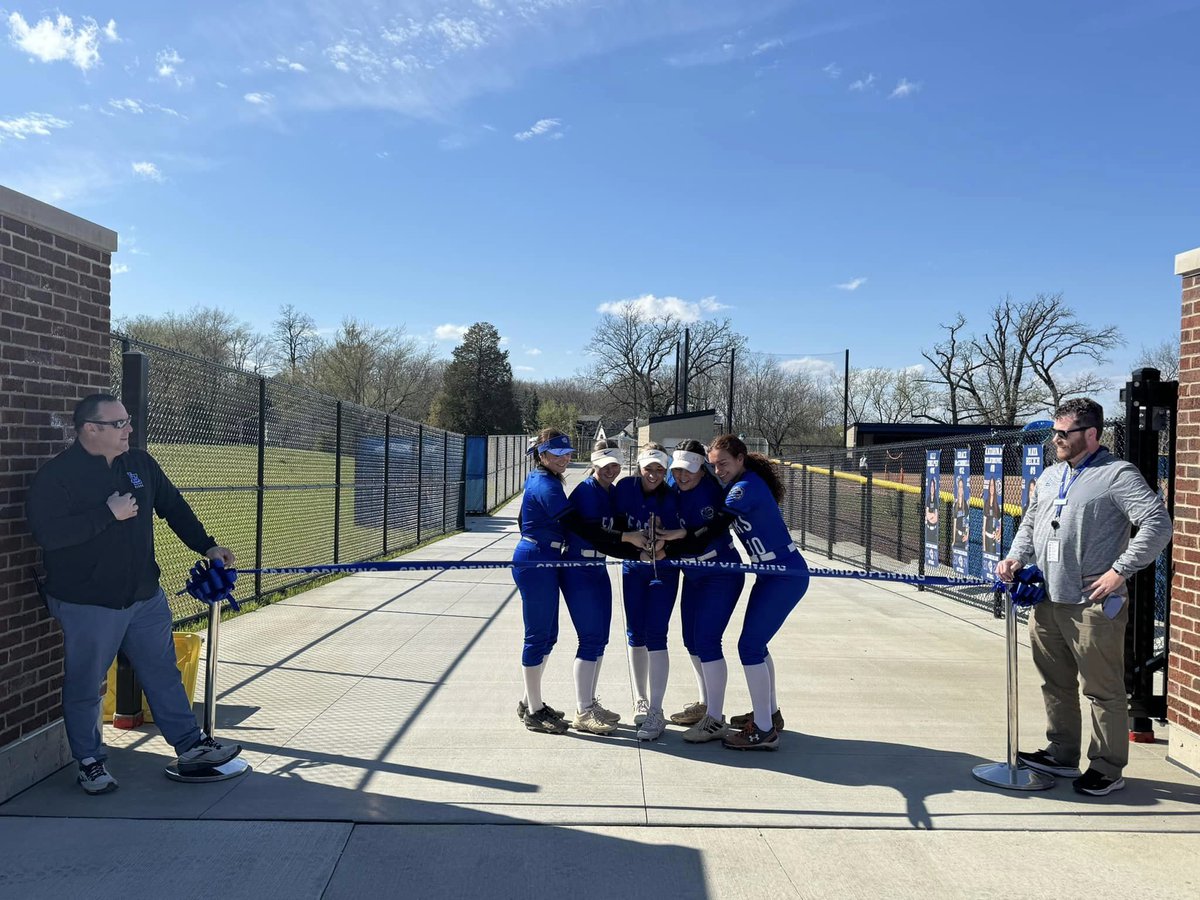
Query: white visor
(653, 456)
(686, 459)
(602, 458)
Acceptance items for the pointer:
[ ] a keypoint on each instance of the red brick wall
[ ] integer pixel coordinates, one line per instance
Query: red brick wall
(54, 349)
(1183, 689)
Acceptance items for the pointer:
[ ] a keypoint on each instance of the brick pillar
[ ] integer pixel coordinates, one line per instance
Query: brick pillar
(54, 349)
(1183, 687)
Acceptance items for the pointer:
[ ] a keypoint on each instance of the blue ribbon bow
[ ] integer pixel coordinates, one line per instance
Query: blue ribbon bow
(210, 582)
(1028, 587)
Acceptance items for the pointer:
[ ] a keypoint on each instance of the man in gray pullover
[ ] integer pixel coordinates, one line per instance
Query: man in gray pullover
(1077, 532)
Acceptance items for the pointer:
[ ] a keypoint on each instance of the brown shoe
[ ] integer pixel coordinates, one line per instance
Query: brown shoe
(691, 714)
(751, 738)
(739, 722)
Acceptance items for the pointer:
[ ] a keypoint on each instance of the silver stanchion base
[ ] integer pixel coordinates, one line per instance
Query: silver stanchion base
(223, 772)
(1001, 775)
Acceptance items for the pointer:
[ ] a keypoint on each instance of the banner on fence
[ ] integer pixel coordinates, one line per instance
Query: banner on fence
(933, 480)
(962, 506)
(993, 507)
(1031, 470)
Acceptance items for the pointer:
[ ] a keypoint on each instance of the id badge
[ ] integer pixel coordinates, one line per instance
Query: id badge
(1053, 551)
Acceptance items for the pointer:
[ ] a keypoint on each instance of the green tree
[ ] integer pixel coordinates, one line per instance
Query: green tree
(563, 416)
(477, 389)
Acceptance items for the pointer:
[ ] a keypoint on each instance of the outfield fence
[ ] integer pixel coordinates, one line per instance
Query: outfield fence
(286, 476)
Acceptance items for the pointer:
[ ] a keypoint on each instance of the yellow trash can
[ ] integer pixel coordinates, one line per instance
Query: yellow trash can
(187, 657)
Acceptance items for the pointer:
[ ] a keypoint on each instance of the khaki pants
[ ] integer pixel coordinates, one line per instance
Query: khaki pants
(1077, 646)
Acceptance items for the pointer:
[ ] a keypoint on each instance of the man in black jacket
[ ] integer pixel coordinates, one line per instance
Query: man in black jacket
(92, 509)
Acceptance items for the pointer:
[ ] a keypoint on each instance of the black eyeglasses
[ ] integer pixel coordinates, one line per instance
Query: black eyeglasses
(1060, 433)
(115, 423)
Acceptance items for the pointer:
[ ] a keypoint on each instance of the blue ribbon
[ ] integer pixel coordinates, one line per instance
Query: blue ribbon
(1028, 587)
(212, 582)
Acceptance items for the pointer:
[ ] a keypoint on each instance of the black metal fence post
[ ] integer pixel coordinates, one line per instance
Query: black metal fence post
(832, 504)
(445, 474)
(387, 478)
(262, 485)
(921, 534)
(900, 495)
(135, 396)
(804, 507)
(462, 487)
(337, 484)
(420, 476)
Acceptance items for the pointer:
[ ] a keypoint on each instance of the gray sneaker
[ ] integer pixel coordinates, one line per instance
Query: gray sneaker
(654, 725)
(604, 713)
(207, 753)
(640, 710)
(93, 777)
(522, 709)
(591, 722)
(707, 729)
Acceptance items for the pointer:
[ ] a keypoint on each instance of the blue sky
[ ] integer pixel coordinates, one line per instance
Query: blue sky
(827, 174)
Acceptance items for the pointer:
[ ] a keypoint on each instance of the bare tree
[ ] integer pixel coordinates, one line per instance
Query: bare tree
(382, 368)
(293, 338)
(1021, 364)
(1163, 356)
(787, 407)
(890, 395)
(633, 359)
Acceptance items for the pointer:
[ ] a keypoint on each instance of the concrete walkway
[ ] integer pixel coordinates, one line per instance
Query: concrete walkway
(378, 713)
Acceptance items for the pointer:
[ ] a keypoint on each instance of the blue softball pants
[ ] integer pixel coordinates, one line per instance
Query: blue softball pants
(705, 607)
(772, 599)
(539, 601)
(648, 606)
(588, 593)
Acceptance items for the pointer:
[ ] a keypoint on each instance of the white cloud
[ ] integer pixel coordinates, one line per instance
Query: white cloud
(852, 285)
(864, 84)
(765, 46)
(810, 365)
(533, 351)
(127, 105)
(652, 307)
(283, 64)
(166, 66)
(904, 88)
(549, 127)
(148, 170)
(258, 98)
(524, 369)
(140, 107)
(59, 39)
(119, 268)
(833, 70)
(21, 127)
(450, 332)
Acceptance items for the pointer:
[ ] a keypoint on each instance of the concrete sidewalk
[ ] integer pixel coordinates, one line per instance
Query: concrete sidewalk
(379, 715)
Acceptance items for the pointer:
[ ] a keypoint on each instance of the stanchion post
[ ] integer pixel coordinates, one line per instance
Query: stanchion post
(1008, 774)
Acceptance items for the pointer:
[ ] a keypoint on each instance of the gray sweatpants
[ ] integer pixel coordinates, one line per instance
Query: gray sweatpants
(92, 635)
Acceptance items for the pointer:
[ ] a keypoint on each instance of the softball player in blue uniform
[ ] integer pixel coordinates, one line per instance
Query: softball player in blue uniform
(546, 517)
(707, 599)
(752, 494)
(649, 600)
(588, 592)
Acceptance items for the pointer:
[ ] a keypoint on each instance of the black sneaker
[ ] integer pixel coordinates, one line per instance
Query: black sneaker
(207, 753)
(1043, 762)
(544, 720)
(1097, 784)
(94, 778)
(522, 709)
(751, 737)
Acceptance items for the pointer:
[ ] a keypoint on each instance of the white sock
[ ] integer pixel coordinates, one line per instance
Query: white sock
(596, 676)
(758, 680)
(770, 664)
(698, 671)
(660, 667)
(585, 681)
(639, 663)
(533, 686)
(716, 674)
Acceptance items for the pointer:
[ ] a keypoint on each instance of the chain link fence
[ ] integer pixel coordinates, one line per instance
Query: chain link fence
(286, 476)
